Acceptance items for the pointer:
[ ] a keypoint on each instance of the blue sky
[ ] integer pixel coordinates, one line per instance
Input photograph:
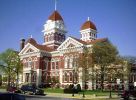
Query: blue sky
(115, 19)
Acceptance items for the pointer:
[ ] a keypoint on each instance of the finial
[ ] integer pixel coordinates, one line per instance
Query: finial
(88, 18)
(55, 5)
(31, 36)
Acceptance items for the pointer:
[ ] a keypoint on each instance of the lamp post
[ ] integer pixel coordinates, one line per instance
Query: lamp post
(110, 88)
(83, 91)
(73, 89)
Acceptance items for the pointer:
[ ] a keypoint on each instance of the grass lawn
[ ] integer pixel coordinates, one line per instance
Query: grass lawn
(52, 90)
(98, 92)
(87, 92)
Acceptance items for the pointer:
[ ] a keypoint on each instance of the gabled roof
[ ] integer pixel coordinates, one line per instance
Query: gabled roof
(38, 46)
(48, 49)
(83, 42)
(70, 41)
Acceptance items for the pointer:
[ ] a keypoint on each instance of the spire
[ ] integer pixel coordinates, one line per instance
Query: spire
(31, 36)
(88, 19)
(55, 5)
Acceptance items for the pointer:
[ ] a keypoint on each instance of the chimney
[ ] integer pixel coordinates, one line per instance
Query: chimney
(22, 44)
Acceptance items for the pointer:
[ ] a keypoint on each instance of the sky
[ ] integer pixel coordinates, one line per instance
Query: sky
(114, 19)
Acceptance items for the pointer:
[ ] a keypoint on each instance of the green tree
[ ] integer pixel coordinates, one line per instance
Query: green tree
(11, 64)
(104, 54)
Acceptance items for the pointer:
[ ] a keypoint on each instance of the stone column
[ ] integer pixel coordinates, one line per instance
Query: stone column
(24, 76)
(39, 75)
(30, 77)
(61, 76)
(80, 78)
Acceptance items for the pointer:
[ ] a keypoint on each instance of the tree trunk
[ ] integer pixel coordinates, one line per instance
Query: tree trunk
(102, 78)
(9, 78)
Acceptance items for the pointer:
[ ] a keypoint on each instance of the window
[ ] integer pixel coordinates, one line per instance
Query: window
(45, 66)
(46, 38)
(27, 77)
(71, 62)
(29, 63)
(65, 62)
(44, 77)
(53, 65)
(49, 38)
(57, 65)
(75, 62)
(52, 37)
(68, 62)
(34, 77)
(35, 64)
(65, 77)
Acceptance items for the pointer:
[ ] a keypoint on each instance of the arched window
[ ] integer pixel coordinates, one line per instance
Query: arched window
(71, 62)
(70, 76)
(27, 77)
(52, 37)
(35, 63)
(65, 62)
(53, 65)
(34, 77)
(29, 63)
(49, 37)
(46, 38)
(57, 65)
(68, 63)
(45, 65)
(65, 77)
(44, 77)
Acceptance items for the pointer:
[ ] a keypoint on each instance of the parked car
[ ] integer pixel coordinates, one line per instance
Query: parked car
(125, 94)
(129, 95)
(12, 89)
(32, 90)
(11, 96)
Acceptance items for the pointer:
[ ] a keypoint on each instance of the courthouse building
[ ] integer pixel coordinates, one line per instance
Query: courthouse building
(55, 57)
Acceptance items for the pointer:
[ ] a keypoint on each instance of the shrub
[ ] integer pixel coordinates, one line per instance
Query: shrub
(78, 88)
(72, 89)
(18, 91)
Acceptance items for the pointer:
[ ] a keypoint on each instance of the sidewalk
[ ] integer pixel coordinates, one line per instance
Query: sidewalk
(80, 96)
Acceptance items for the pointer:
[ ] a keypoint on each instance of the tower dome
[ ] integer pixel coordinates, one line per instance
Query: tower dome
(55, 16)
(88, 31)
(88, 24)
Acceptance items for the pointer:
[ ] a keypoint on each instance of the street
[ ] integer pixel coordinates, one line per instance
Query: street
(32, 97)
(47, 98)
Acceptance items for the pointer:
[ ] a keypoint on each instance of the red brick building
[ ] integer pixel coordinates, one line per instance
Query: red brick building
(55, 57)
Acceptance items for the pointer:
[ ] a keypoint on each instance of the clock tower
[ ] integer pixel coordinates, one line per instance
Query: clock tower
(54, 30)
